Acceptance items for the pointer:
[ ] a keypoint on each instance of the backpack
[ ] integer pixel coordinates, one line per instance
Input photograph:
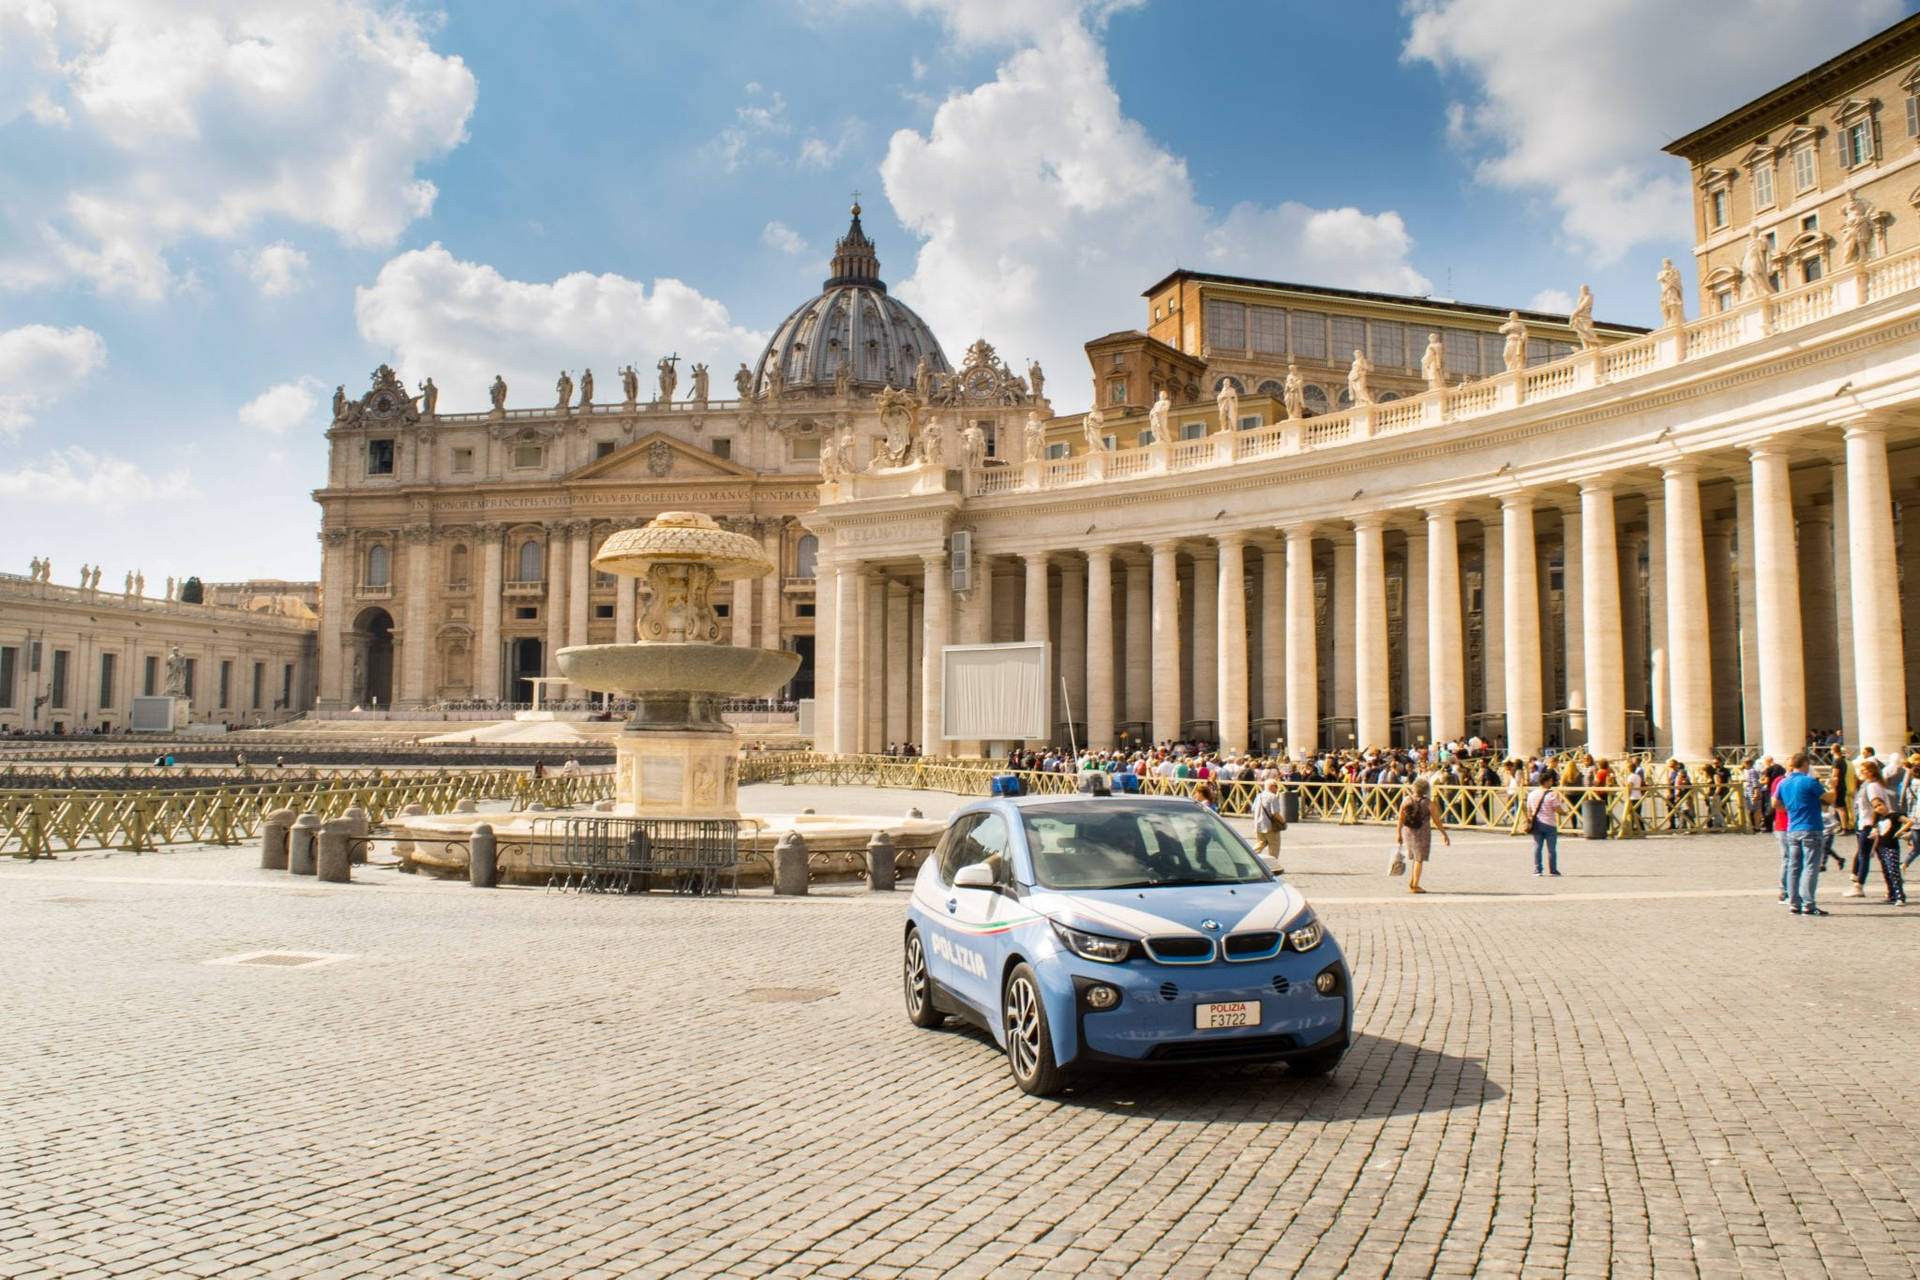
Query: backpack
(1415, 816)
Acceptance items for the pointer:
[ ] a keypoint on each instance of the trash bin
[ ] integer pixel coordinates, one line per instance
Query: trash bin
(1290, 804)
(1593, 818)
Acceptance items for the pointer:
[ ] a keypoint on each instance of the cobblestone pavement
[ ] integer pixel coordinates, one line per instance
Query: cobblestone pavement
(1645, 1067)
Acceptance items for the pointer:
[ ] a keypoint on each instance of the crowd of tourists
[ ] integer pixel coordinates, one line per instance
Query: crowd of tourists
(1871, 800)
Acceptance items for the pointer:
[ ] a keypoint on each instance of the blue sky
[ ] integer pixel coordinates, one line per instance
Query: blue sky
(216, 212)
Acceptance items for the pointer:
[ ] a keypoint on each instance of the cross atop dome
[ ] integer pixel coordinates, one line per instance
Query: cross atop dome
(854, 259)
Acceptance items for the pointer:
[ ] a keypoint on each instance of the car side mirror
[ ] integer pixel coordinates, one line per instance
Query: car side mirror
(975, 875)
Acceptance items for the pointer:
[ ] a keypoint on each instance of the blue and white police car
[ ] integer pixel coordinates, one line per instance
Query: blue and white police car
(1088, 931)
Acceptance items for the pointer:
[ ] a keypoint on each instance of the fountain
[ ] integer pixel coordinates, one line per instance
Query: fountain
(677, 757)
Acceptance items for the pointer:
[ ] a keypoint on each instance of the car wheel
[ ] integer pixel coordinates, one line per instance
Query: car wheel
(1029, 1042)
(1318, 1063)
(920, 1010)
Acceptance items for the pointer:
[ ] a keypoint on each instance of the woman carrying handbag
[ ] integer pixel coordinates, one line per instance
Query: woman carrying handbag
(1418, 821)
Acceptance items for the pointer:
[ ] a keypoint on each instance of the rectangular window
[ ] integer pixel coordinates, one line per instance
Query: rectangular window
(1226, 325)
(601, 448)
(108, 664)
(286, 685)
(379, 457)
(526, 612)
(190, 677)
(1913, 115)
(1763, 185)
(1387, 343)
(1811, 270)
(1804, 173)
(528, 455)
(1856, 144)
(722, 448)
(1349, 336)
(1463, 351)
(1268, 326)
(1144, 439)
(1310, 335)
(603, 611)
(1493, 353)
(1109, 442)
(1192, 430)
(1251, 422)
(9, 674)
(1723, 300)
(463, 461)
(59, 688)
(1119, 360)
(1058, 449)
(150, 678)
(259, 683)
(226, 683)
(806, 450)
(1717, 208)
(1810, 223)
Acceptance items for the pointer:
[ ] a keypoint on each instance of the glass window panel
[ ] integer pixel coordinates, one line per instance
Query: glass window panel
(1226, 325)
(1349, 336)
(1315, 398)
(1310, 335)
(1463, 351)
(1762, 185)
(1803, 169)
(1387, 343)
(1539, 351)
(1493, 353)
(1269, 330)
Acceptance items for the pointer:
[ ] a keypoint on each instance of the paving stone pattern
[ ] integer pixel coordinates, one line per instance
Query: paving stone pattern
(1645, 1067)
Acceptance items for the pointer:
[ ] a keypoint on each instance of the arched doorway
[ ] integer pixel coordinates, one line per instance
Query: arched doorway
(371, 680)
(525, 660)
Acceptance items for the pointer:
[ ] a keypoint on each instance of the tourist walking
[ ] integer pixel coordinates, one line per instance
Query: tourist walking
(1544, 807)
(1878, 825)
(1418, 821)
(1269, 820)
(1802, 797)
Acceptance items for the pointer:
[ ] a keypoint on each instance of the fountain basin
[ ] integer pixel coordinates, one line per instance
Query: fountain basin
(715, 671)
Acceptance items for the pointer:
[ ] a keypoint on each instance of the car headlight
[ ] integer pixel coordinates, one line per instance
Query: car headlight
(1306, 933)
(1093, 946)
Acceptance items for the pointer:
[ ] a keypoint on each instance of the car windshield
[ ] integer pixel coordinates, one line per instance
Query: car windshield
(1108, 845)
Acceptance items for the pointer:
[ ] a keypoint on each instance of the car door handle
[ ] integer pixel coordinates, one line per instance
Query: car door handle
(953, 905)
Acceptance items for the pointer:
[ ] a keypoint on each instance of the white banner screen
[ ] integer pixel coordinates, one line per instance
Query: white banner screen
(995, 692)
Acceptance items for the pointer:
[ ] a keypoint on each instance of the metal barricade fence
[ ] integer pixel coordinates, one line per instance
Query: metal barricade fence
(698, 856)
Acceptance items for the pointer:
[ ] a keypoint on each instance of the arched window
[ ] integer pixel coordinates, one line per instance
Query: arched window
(377, 566)
(1272, 388)
(457, 563)
(529, 561)
(1346, 399)
(1315, 398)
(805, 552)
(1239, 387)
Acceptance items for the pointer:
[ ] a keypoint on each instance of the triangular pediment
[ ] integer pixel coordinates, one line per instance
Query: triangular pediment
(655, 458)
(1760, 153)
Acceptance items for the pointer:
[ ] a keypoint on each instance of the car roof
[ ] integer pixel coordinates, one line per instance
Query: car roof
(1135, 802)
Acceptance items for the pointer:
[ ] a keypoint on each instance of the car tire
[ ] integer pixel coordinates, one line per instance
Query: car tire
(1023, 1016)
(919, 987)
(1320, 1062)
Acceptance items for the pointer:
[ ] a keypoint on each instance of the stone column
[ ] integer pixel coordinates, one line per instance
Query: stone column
(555, 566)
(1659, 709)
(1303, 647)
(1165, 650)
(771, 588)
(1070, 654)
(1603, 646)
(1230, 664)
(1413, 622)
(1520, 600)
(1036, 628)
(899, 725)
(579, 582)
(848, 679)
(1373, 708)
(1341, 612)
(1689, 664)
(935, 610)
(1446, 647)
(1573, 654)
(1206, 634)
(1818, 630)
(626, 611)
(336, 569)
(1776, 598)
(1273, 632)
(488, 655)
(1723, 632)
(1840, 587)
(1139, 639)
(741, 616)
(1750, 713)
(1879, 665)
(1633, 621)
(1100, 691)
(878, 680)
(1493, 617)
(416, 643)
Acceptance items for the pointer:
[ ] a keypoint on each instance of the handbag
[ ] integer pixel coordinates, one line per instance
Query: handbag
(1398, 866)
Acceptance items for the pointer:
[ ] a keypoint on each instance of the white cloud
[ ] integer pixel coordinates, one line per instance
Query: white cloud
(1576, 100)
(39, 364)
(462, 322)
(282, 406)
(1045, 208)
(1551, 301)
(79, 477)
(278, 269)
(779, 235)
(202, 118)
(761, 117)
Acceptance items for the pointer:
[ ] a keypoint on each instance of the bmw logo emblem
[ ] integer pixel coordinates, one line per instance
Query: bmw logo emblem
(1212, 926)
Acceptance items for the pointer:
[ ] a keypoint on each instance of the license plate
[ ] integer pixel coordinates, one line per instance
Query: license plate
(1233, 1013)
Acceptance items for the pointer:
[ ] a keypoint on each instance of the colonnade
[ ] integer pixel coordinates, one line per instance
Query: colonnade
(1734, 597)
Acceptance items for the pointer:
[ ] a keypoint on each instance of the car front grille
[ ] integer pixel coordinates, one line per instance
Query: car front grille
(1263, 945)
(1180, 949)
(1223, 1047)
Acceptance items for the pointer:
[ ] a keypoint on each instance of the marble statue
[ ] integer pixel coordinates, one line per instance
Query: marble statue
(95, 584)
(139, 584)
(1756, 273)
(669, 378)
(630, 383)
(1581, 320)
(86, 571)
(1673, 303)
(429, 398)
(1094, 426)
(1293, 393)
(830, 456)
(1036, 379)
(565, 389)
(743, 382)
(339, 403)
(973, 446)
(1157, 418)
(498, 393)
(776, 381)
(33, 569)
(1856, 232)
(932, 443)
(169, 594)
(847, 445)
(1036, 437)
(176, 672)
(699, 393)
(1433, 363)
(1514, 354)
(1358, 389)
(843, 379)
(922, 379)
(1227, 400)
(586, 388)
(129, 590)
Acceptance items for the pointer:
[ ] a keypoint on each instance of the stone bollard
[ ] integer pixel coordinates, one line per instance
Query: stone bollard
(362, 829)
(300, 844)
(333, 856)
(465, 805)
(790, 865)
(483, 871)
(273, 840)
(880, 862)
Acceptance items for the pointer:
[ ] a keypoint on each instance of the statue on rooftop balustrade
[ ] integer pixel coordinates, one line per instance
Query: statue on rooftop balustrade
(669, 378)
(1756, 270)
(564, 388)
(1581, 320)
(429, 398)
(1514, 354)
(1856, 231)
(1157, 418)
(1673, 302)
(1433, 363)
(1036, 437)
(743, 382)
(630, 384)
(1036, 379)
(586, 389)
(973, 446)
(1227, 400)
(1094, 426)
(699, 393)
(497, 393)
(1293, 393)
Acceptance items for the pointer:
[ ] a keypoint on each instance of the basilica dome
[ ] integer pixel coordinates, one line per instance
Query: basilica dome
(851, 325)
